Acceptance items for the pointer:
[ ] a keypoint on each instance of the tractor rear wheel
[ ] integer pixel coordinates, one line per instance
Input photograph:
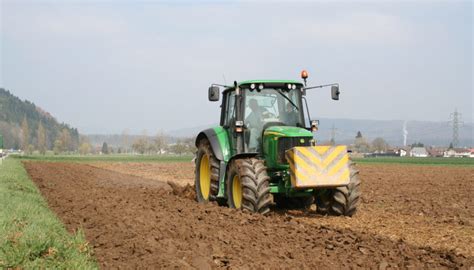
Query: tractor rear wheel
(341, 200)
(248, 185)
(206, 173)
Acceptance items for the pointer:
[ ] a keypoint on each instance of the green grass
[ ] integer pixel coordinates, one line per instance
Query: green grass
(31, 236)
(417, 161)
(109, 158)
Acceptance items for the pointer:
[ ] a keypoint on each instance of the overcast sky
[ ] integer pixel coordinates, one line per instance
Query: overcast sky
(104, 66)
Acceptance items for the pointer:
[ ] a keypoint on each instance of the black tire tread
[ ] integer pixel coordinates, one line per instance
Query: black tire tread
(205, 146)
(255, 184)
(341, 200)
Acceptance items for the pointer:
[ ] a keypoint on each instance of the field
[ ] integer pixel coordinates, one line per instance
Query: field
(411, 216)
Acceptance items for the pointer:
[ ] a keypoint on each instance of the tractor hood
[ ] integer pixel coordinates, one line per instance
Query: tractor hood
(285, 131)
(278, 139)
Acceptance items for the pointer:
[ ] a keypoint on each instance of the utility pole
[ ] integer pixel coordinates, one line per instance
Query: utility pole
(456, 122)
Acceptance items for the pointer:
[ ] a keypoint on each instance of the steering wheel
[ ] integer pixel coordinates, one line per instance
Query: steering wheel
(267, 114)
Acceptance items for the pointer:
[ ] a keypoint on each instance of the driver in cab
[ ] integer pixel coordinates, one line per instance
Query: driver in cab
(254, 122)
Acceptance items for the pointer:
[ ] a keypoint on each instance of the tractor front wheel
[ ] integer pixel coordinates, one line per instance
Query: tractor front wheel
(341, 200)
(248, 185)
(206, 173)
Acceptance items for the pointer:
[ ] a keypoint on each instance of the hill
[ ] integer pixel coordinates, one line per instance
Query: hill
(13, 111)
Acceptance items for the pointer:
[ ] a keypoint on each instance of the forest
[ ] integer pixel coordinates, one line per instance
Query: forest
(26, 126)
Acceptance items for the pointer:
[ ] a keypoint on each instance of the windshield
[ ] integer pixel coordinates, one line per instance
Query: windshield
(270, 107)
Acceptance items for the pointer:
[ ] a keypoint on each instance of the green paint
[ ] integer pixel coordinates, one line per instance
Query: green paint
(290, 131)
(270, 143)
(223, 138)
(283, 188)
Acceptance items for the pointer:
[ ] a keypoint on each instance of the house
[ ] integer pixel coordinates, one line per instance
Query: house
(458, 152)
(472, 153)
(436, 152)
(400, 151)
(418, 152)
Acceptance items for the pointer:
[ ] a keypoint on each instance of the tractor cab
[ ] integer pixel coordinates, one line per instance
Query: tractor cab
(261, 105)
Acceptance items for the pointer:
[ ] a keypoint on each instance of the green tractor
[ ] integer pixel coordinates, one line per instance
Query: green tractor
(263, 152)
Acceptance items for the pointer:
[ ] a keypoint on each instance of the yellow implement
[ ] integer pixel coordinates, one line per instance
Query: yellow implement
(318, 166)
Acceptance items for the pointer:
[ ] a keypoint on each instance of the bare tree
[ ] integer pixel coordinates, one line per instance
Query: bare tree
(85, 148)
(25, 135)
(58, 147)
(379, 145)
(140, 145)
(41, 133)
(65, 138)
(160, 142)
(125, 140)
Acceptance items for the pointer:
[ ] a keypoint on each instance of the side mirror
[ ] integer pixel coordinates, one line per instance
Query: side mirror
(214, 93)
(335, 92)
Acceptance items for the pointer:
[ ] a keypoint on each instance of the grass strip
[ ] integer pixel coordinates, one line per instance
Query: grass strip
(31, 236)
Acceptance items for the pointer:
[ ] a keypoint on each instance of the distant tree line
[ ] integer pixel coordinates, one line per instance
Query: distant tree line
(160, 145)
(136, 144)
(362, 145)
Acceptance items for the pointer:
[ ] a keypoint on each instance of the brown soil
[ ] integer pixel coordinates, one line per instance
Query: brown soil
(419, 217)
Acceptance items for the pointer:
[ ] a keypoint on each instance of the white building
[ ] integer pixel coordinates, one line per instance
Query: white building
(418, 152)
(458, 152)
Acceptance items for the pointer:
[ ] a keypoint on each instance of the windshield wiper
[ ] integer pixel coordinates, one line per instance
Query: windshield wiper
(287, 98)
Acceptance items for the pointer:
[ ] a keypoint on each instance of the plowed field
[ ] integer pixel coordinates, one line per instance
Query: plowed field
(410, 217)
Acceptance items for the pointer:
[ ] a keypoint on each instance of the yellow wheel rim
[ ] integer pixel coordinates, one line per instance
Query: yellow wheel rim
(237, 191)
(205, 177)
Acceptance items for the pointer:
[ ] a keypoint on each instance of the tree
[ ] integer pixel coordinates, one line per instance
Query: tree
(41, 145)
(58, 147)
(105, 148)
(85, 148)
(140, 145)
(360, 144)
(25, 135)
(31, 149)
(125, 141)
(178, 148)
(183, 146)
(418, 144)
(65, 138)
(380, 145)
(160, 142)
